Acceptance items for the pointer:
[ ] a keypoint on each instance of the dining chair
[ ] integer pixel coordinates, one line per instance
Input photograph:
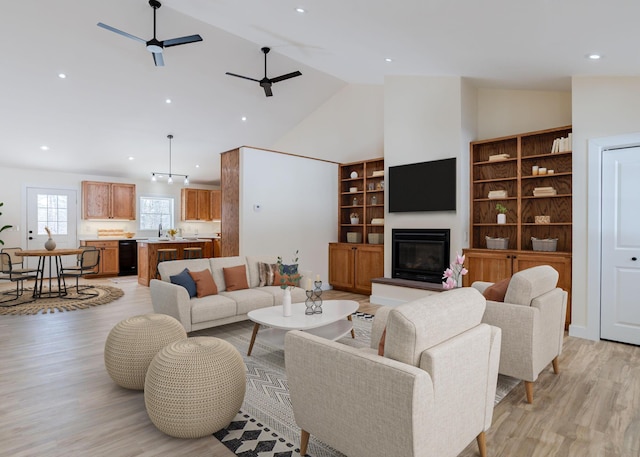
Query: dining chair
(17, 262)
(9, 274)
(87, 264)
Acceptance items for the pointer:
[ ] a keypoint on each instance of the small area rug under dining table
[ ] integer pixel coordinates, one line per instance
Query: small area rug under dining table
(72, 301)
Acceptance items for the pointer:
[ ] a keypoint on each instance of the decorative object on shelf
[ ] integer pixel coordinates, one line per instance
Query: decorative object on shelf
(550, 172)
(49, 245)
(494, 194)
(375, 238)
(172, 233)
(377, 173)
(4, 227)
(562, 144)
(381, 185)
(371, 186)
(534, 170)
(542, 171)
(497, 243)
(374, 200)
(354, 174)
(497, 157)
(355, 218)
(544, 192)
(502, 213)
(353, 189)
(547, 244)
(354, 237)
(453, 275)
(377, 221)
(155, 175)
(355, 201)
(543, 219)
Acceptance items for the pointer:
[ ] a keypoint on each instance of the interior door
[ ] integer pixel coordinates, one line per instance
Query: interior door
(57, 210)
(620, 281)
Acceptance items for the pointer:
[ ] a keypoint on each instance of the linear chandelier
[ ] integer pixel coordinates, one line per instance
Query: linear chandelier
(155, 174)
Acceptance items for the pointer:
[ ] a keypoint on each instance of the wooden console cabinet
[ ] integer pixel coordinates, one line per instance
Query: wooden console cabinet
(514, 175)
(353, 266)
(106, 200)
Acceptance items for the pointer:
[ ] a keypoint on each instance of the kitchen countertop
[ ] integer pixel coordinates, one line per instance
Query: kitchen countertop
(148, 239)
(183, 240)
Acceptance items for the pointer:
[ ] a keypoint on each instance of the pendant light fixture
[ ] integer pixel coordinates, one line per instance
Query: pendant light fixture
(155, 175)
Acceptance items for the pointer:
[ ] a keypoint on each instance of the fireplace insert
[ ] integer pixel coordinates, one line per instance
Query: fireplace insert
(420, 254)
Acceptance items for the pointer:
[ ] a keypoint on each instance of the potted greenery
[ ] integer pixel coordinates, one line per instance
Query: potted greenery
(4, 227)
(502, 213)
(355, 219)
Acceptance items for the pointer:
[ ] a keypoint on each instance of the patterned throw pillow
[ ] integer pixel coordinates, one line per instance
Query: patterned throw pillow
(266, 273)
(289, 276)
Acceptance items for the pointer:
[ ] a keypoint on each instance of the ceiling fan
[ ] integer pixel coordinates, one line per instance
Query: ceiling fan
(265, 82)
(155, 46)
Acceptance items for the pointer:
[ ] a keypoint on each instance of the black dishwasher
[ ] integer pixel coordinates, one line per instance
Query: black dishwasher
(128, 254)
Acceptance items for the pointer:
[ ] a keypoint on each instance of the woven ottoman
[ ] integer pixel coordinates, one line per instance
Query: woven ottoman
(133, 342)
(195, 387)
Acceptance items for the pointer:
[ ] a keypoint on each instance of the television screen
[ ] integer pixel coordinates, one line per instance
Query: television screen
(425, 186)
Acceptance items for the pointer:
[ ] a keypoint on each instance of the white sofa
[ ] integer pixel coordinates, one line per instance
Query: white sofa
(431, 393)
(223, 308)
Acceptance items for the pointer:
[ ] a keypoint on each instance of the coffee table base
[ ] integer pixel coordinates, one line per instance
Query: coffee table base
(275, 336)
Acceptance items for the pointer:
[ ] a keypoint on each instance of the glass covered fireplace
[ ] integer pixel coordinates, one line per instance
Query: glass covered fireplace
(420, 254)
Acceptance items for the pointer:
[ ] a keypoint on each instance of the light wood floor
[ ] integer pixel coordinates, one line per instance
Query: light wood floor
(56, 399)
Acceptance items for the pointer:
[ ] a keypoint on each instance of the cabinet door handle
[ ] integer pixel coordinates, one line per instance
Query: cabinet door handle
(634, 258)
(508, 257)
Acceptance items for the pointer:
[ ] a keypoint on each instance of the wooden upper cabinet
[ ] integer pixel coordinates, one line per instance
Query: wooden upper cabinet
(196, 205)
(105, 200)
(216, 205)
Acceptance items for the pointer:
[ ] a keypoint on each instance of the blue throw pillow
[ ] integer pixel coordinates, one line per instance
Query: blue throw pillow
(185, 280)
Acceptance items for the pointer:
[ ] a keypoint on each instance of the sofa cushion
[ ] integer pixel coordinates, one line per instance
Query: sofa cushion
(185, 280)
(204, 283)
(211, 308)
(497, 291)
(174, 267)
(235, 278)
(218, 263)
(267, 272)
(249, 299)
(423, 323)
(528, 284)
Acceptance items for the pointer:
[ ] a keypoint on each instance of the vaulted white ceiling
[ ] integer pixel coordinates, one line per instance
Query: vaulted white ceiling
(112, 104)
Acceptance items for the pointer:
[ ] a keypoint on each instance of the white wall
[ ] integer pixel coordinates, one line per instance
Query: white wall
(14, 182)
(347, 128)
(509, 112)
(423, 120)
(602, 107)
(298, 208)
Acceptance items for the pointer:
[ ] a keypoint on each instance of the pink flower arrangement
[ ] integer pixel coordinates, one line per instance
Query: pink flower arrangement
(453, 275)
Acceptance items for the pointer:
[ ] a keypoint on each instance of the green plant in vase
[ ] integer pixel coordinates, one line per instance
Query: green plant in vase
(502, 213)
(4, 227)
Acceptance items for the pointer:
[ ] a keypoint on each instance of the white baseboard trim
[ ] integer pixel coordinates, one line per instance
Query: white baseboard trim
(580, 331)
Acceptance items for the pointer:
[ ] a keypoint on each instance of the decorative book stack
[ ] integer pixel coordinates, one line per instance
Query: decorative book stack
(498, 194)
(495, 157)
(544, 192)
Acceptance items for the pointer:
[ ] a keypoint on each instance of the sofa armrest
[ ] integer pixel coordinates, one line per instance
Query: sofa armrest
(358, 402)
(481, 286)
(171, 299)
(553, 311)
(520, 328)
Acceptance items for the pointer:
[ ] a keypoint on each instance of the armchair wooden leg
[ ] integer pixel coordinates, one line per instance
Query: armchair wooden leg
(304, 442)
(353, 333)
(482, 444)
(528, 386)
(556, 367)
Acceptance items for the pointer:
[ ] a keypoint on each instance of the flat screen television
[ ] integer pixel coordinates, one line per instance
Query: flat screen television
(424, 186)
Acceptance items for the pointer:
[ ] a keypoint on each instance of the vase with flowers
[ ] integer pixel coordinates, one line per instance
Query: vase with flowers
(453, 275)
(172, 233)
(288, 278)
(49, 245)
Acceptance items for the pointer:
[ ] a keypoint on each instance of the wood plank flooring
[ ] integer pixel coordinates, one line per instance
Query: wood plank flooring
(58, 400)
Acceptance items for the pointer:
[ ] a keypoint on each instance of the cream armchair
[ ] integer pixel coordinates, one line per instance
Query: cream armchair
(532, 322)
(430, 394)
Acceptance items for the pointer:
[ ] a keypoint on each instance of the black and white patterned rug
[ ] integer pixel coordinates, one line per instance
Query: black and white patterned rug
(265, 426)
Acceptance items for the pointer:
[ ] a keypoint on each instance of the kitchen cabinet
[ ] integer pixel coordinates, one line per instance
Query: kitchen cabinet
(109, 256)
(105, 200)
(216, 205)
(196, 205)
(352, 267)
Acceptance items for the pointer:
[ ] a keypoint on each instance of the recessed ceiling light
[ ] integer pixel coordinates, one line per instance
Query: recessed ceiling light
(168, 100)
(131, 158)
(44, 147)
(61, 75)
(243, 118)
(197, 166)
(594, 56)
(300, 10)
(388, 59)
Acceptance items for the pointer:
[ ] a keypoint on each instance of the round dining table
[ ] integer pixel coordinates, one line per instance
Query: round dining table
(53, 255)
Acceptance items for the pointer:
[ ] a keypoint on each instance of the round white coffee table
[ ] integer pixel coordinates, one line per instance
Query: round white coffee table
(332, 324)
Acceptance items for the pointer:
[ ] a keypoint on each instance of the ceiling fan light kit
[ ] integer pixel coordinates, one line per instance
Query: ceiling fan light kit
(266, 82)
(155, 175)
(155, 46)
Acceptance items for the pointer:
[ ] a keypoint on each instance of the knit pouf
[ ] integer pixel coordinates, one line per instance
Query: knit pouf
(195, 387)
(133, 342)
